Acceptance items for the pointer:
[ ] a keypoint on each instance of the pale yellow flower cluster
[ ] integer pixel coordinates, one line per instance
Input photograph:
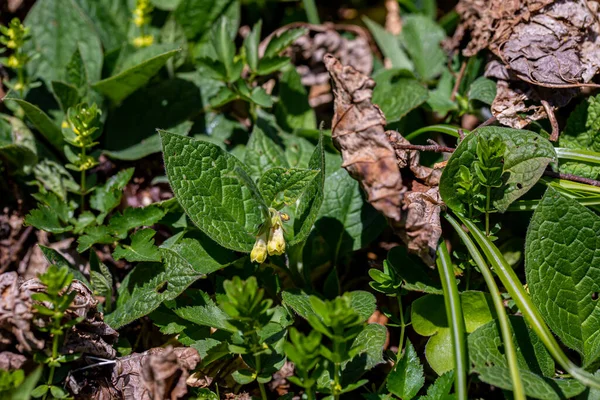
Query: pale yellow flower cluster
(270, 240)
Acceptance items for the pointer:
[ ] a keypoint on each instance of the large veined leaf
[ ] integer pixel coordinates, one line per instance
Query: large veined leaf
(536, 367)
(407, 377)
(17, 143)
(214, 189)
(526, 156)
(120, 86)
(42, 122)
(562, 263)
(397, 93)
(422, 37)
(58, 28)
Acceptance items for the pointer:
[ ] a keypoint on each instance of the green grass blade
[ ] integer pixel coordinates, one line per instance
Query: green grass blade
(455, 317)
(505, 330)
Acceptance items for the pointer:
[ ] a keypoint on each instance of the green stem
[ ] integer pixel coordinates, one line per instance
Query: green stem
(442, 128)
(505, 329)
(578, 155)
(21, 81)
(531, 205)
(570, 185)
(488, 194)
(55, 343)
(511, 282)
(336, 370)
(455, 317)
(311, 12)
(402, 327)
(82, 205)
(261, 386)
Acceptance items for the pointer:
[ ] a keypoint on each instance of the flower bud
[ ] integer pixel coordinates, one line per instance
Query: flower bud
(259, 251)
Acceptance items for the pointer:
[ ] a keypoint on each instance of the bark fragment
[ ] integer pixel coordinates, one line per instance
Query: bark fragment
(412, 205)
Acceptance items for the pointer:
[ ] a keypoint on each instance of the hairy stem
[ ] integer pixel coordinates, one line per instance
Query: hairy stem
(505, 329)
(455, 317)
(511, 282)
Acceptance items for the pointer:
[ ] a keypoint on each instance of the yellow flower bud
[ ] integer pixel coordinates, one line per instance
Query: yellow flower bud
(143, 41)
(13, 62)
(259, 251)
(276, 245)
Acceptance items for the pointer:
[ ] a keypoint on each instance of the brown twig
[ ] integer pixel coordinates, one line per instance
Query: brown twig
(553, 122)
(459, 78)
(573, 178)
(487, 122)
(436, 148)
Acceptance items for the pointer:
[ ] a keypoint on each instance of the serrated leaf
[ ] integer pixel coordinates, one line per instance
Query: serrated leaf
(489, 361)
(406, 379)
(561, 265)
(440, 389)
(142, 248)
(368, 347)
(397, 94)
(311, 200)
(42, 122)
(346, 222)
(422, 37)
(282, 186)
(263, 153)
(119, 86)
(206, 313)
(279, 43)
(362, 302)
(121, 224)
(108, 196)
(94, 235)
(58, 29)
(428, 316)
(483, 89)
(389, 45)
(214, 190)
(526, 156)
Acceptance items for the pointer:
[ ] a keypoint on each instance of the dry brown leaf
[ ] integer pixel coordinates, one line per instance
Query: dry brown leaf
(10, 361)
(412, 206)
(537, 44)
(307, 54)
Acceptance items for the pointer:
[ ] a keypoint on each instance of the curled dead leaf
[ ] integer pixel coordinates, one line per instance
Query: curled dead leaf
(396, 184)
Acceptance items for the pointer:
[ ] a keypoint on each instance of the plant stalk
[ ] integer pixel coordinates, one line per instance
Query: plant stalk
(311, 12)
(261, 386)
(402, 328)
(511, 282)
(505, 328)
(455, 317)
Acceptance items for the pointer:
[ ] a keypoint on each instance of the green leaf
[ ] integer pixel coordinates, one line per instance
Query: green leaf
(363, 303)
(55, 178)
(142, 248)
(224, 47)
(54, 257)
(197, 16)
(206, 313)
(582, 132)
(214, 190)
(440, 98)
(27, 388)
(346, 222)
(397, 93)
(108, 196)
(311, 200)
(262, 152)
(119, 86)
(251, 43)
(535, 364)
(111, 19)
(406, 379)
(440, 389)
(368, 346)
(67, 95)
(42, 122)
(389, 45)
(101, 280)
(279, 43)
(267, 66)
(525, 158)
(561, 254)
(281, 186)
(58, 29)
(185, 260)
(412, 271)
(94, 235)
(121, 224)
(17, 143)
(483, 89)
(292, 110)
(428, 316)
(422, 37)
(76, 73)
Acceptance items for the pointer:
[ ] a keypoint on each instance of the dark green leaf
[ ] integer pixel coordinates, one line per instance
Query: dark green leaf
(389, 45)
(562, 273)
(251, 46)
(42, 122)
(483, 89)
(263, 153)
(279, 43)
(67, 95)
(406, 379)
(119, 86)
(397, 93)
(281, 186)
(422, 37)
(292, 109)
(197, 16)
(213, 188)
(17, 143)
(142, 248)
